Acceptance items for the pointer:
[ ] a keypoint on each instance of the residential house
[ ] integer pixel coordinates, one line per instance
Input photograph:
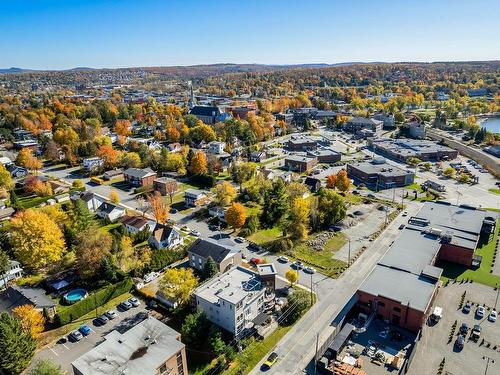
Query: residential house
(16, 296)
(6, 213)
(299, 163)
(91, 200)
(216, 147)
(416, 129)
(148, 348)
(17, 172)
(165, 185)
(15, 271)
(110, 211)
(224, 256)
(314, 184)
(4, 160)
(258, 156)
(114, 173)
(139, 177)
(268, 174)
(93, 164)
(232, 300)
(136, 224)
(195, 198)
(165, 236)
(174, 147)
(217, 212)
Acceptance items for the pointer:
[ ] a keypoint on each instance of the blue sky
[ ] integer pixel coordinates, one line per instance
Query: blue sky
(64, 34)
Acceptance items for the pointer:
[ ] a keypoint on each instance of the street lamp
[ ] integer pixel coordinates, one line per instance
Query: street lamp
(487, 359)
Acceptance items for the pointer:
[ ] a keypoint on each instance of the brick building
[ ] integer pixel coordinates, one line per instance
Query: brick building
(299, 163)
(139, 177)
(379, 176)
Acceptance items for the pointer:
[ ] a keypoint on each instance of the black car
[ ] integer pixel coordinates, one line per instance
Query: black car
(460, 342)
(464, 328)
(173, 210)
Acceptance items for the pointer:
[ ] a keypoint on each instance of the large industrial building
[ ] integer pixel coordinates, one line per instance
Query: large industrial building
(402, 286)
(404, 149)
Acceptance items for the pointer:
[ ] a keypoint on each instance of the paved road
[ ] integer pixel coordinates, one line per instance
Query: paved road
(297, 348)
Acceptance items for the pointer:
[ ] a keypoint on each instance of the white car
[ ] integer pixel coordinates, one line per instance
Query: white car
(309, 270)
(239, 239)
(185, 228)
(195, 233)
(283, 259)
(76, 335)
(493, 316)
(111, 314)
(151, 276)
(480, 312)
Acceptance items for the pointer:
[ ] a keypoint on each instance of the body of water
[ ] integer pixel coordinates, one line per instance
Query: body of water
(492, 124)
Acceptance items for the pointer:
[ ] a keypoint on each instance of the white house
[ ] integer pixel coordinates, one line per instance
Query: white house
(92, 164)
(194, 198)
(110, 211)
(13, 273)
(216, 147)
(232, 300)
(136, 224)
(92, 201)
(165, 236)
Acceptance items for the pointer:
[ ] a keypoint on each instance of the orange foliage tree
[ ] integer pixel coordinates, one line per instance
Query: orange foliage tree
(199, 163)
(159, 207)
(236, 215)
(31, 319)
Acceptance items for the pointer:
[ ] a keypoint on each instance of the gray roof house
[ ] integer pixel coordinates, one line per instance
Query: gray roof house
(225, 256)
(16, 296)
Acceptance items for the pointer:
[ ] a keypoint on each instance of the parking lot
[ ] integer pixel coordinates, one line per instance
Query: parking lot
(65, 351)
(435, 344)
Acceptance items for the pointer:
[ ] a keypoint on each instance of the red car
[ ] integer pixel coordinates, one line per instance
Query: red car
(255, 261)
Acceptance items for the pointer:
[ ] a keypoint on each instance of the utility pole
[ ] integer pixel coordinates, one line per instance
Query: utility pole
(487, 359)
(349, 254)
(393, 195)
(496, 299)
(316, 355)
(386, 210)
(312, 302)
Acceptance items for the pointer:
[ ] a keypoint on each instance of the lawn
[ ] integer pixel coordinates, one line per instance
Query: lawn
(495, 191)
(414, 186)
(49, 336)
(323, 259)
(110, 227)
(265, 236)
(481, 275)
(253, 210)
(179, 196)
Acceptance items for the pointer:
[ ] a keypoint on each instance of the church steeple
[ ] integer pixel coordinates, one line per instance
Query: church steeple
(191, 102)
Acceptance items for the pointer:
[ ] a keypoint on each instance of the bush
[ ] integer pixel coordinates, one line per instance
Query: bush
(164, 257)
(102, 296)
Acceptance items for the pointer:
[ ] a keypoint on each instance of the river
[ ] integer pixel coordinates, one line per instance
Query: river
(492, 124)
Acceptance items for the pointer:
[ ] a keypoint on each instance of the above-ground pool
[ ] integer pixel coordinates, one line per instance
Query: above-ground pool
(75, 295)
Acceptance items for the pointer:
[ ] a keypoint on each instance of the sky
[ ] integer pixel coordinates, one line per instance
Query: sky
(42, 34)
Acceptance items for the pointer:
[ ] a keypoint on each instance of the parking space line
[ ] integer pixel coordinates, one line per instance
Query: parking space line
(53, 351)
(65, 346)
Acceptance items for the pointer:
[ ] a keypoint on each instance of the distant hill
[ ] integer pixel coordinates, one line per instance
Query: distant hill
(14, 70)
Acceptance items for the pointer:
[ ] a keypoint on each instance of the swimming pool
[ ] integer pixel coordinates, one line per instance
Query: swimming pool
(75, 295)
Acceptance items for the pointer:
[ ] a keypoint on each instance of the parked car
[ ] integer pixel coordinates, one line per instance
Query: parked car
(271, 360)
(239, 239)
(185, 228)
(464, 328)
(493, 316)
(125, 305)
(111, 314)
(480, 312)
(85, 330)
(195, 233)
(405, 213)
(401, 227)
(283, 259)
(355, 192)
(255, 261)
(297, 265)
(76, 336)
(151, 276)
(134, 302)
(103, 319)
(476, 332)
(310, 270)
(371, 196)
(173, 210)
(467, 307)
(254, 247)
(460, 342)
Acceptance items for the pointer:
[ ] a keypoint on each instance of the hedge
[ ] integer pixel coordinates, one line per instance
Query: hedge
(88, 304)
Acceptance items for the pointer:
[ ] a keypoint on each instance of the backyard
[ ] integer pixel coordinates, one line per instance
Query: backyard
(323, 259)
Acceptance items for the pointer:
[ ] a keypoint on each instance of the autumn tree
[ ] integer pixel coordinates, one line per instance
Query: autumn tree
(128, 258)
(298, 221)
(36, 239)
(236, 215)
(449, 172)
(331, 206)
(25, 158)
(342, 183)
(243, 172)
(331, 181)
(92, 246)
(114, 197)
(158, 207)
(275, 205)
(6, 181)
(17, 346)
(198, 163)
(123, 128)
(296, 189)
(225, 193)
(292, 276)
(177, 284)
(171, 188)
(109, 155)
(31, 319)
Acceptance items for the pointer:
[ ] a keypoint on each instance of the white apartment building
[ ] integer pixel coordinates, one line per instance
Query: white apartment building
(232, 300)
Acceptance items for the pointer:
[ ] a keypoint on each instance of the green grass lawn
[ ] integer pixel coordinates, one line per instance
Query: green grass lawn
(353, 198)
(322, 259)
(265, 236)
(414, 186)
(481, 275)
(253, 210)
(495, 191)
(109, 227)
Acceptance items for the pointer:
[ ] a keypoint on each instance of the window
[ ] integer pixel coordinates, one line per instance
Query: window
(180, 367)
(397, 309)
(381, 304)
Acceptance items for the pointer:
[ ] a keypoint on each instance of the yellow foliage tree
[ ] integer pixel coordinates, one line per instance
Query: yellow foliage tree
(6, 181)
(114, 197)
(343, 182)
(92, 247)
(26, 159)
(292, 276)
(31, 319)
(299, 218)
(225, 193)
(36, 239)
(177, 284)
(236, 215)
(159, 207)
(199, 163)
(129, 258)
